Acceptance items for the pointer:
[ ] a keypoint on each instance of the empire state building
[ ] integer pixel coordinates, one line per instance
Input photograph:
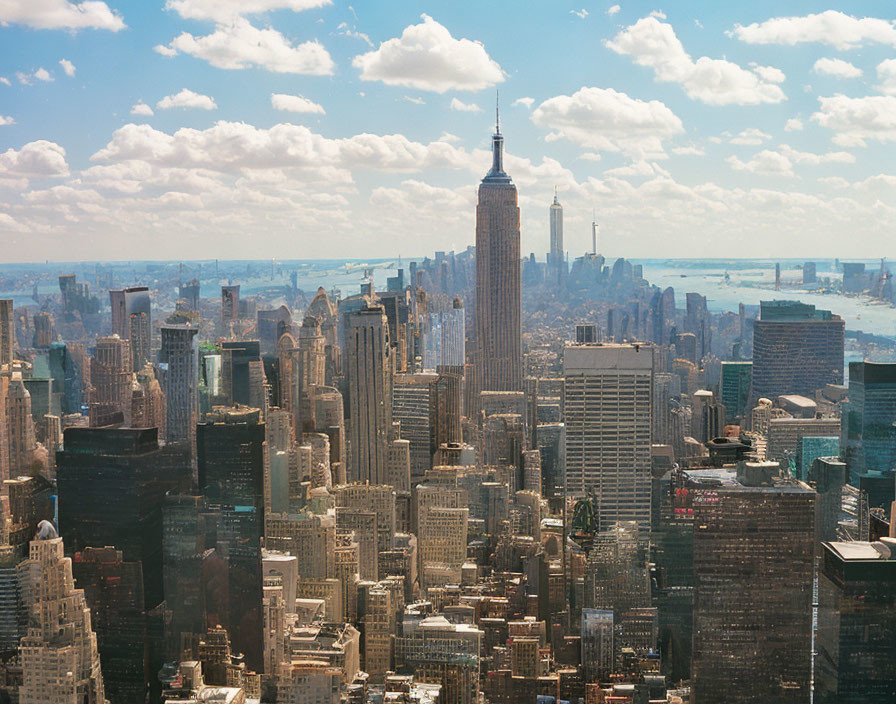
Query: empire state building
(498, 362)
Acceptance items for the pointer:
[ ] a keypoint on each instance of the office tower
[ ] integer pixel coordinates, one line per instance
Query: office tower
(113, 589)
(230, 307)
(828, 476)
(347, 563)
(598, 653)
(607, 406)
(271, 325)
(869, 421)
(179, 363)
(44, 333)
(184, 534)
(369, 372)
(119, 316)
(753, 563)
(785, 435)
(112, 483)
(59, 657)
(736, 377)
(809, 275)
(19, 430)
(556, 257)
(7, 331)
(445, 653)
(697, 321)
(414, 406)
(586, 334)
(380, 500)
(239, 382)
(148, 405)
(66, 373)
(138, 309)
(449, 406)
(110, 378)
(363, 526)
(310, 538)
(377, 616)
(856, 638)
(445, 341)
(230, 462)
(796, 350)
(442, 541)
(498, 362)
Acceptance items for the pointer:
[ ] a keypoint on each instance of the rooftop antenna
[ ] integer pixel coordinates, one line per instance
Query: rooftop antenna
(497, 112)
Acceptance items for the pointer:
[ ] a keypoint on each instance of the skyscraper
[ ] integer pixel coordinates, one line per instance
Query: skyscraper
(796, 350)
(607, 406)
(556, 260)
(110, 377)
(498, 364)
(868, 431)
(7, 331)
(369, 371)
(60, 661)
(179, 360)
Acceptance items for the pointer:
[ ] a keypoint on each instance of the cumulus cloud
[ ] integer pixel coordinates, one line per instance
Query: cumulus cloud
(886, 74)
(60, 14)
(38, 159)
(525, 102)
(607, 120)
(6, 120)
(838, 68)
(581, 14)
(141, 108)
(427, 57)
(187, 99)
(240, 45)
(793, 125)
(856, 120)
(688, 151)
(225, 10)
(613, 9)
(68, 67)
(40, 74)
(461, 106)
(831, 27)
(766, 163)
(164, 50)
(798, 157)
(712, 81)
(751, 136)
(295, 103)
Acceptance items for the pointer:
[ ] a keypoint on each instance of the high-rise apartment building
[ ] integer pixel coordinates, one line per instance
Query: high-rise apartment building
(369, 371)
(753, 564)
(796, 350)
(59, 656)
(498, 362)
(179, 362)
(608, 394)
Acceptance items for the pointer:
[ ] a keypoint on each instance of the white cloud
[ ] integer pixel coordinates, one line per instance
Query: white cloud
(856, 120)
(164, 50)
(581, 14)
(68, 67)
(766, 163)
(40, 74)
(34, 160)
(793, 125)
(295, 103)
(416, 100)
(225, 10)
(798, 157)
(831, 27)
(240, 45)
(141, 108)
(5, 81)
(8, 222)
(6, 120)
(886, 74)
(751, 136)
(838, 68)
(187, 99)
(688, 151)
(658, 14)
(768, 73)
(464, 107)
(712, 81)
(60, 14)
(590, 156)
(347, 31)
(613, 9)
(607, 120)
(525, 102)
(427, 57)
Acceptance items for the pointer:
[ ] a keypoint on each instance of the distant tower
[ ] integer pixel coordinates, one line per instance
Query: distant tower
(20, 427)
(7, 331)
(498, 365)
(179, 358)
(594, 235)
(556, 258)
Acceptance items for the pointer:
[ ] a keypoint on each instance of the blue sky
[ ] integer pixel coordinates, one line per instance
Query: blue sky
(307, 128)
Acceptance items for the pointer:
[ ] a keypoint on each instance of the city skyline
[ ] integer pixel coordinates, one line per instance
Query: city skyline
(307, 118)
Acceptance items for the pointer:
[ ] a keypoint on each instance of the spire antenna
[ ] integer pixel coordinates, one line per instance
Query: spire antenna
(497, 112)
